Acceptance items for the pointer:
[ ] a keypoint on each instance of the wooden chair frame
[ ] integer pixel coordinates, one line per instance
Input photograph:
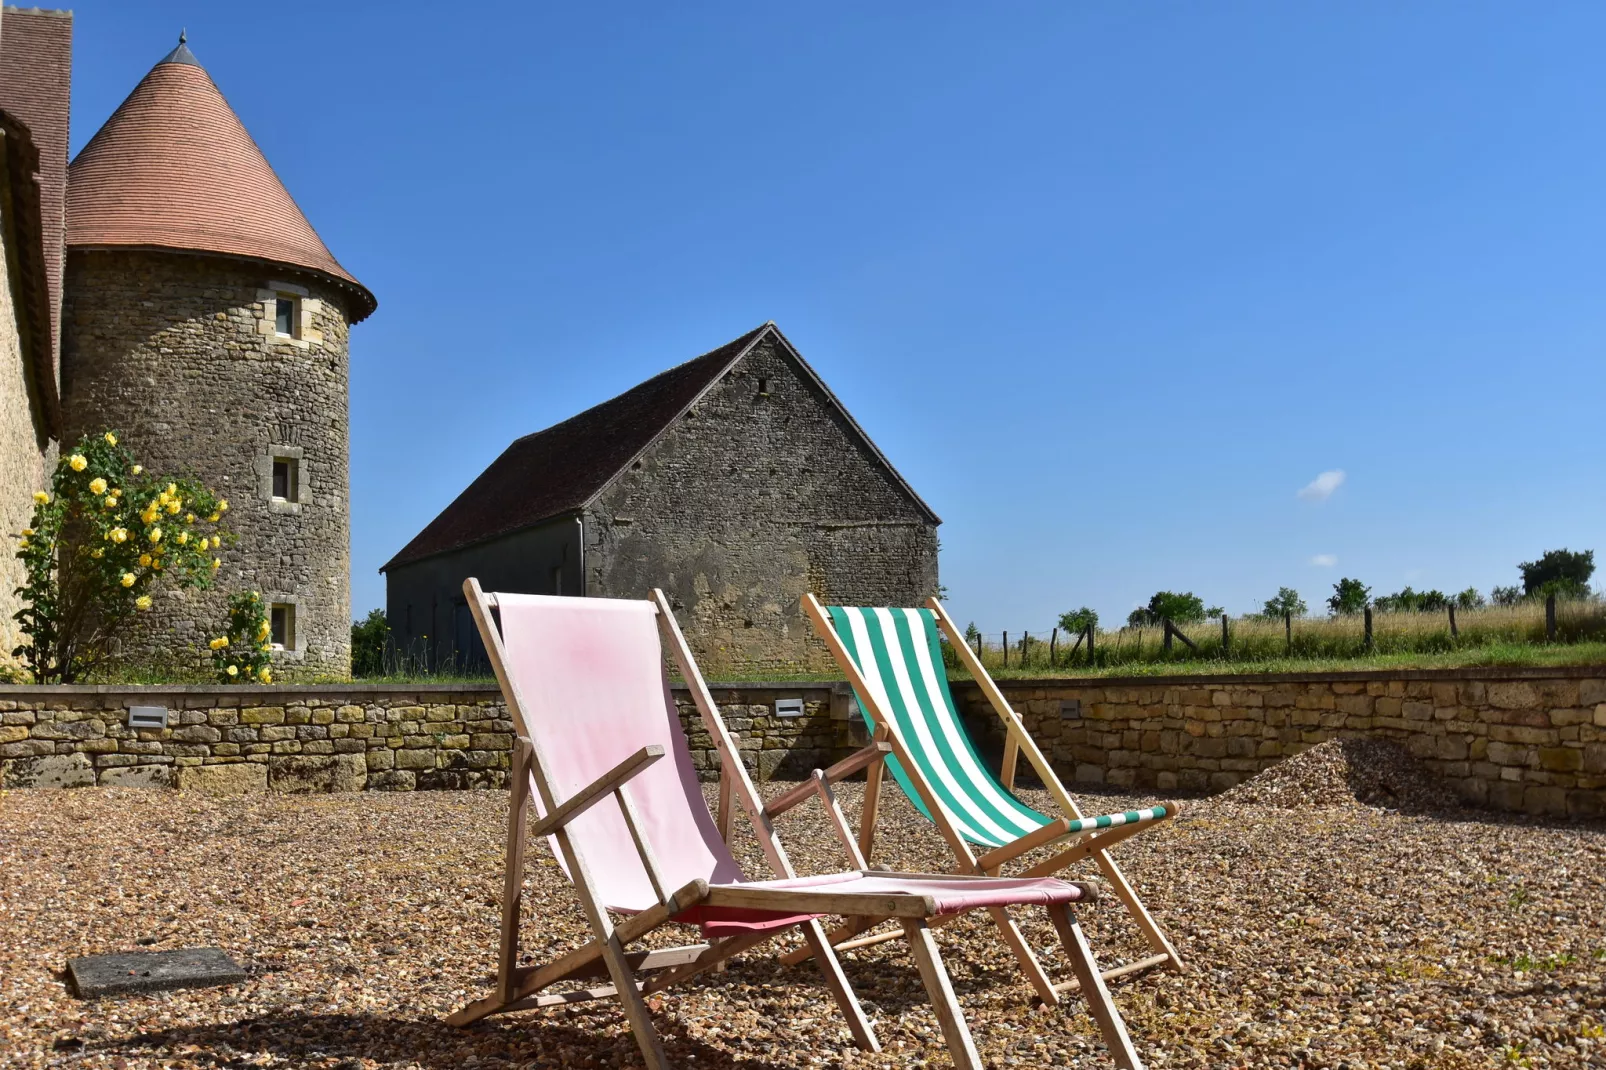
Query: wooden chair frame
(1073, 847)
(635, 975)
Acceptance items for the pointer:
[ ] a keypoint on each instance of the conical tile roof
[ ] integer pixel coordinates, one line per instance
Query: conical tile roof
(174, 168)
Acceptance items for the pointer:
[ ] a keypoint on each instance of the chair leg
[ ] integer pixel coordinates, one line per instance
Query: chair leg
(941, 992)
(513, 873)
(1093, 988)
(635, 1008)
(1134, 906)
(1023, 954)
(837, 982)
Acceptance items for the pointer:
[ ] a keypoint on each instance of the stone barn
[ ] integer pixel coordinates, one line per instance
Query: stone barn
(735, 481)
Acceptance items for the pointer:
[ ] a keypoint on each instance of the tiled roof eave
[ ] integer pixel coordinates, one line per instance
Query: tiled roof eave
(365, 303)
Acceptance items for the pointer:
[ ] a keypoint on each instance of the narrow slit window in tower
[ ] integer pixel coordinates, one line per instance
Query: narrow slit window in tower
(286, 479)
(284, 316)
(282, 626)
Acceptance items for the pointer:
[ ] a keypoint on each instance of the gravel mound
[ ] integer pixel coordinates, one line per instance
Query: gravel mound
(1346, 772)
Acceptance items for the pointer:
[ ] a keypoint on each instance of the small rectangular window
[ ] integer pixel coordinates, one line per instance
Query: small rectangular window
(282, 625)
(285, 479)
(285, 316)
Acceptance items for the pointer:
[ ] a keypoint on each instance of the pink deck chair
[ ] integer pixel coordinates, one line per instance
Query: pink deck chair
(601, 759)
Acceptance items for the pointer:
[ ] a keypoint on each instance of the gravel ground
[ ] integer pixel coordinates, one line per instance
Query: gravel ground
(1331, 934)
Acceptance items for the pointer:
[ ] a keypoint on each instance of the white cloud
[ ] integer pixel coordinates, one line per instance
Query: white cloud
(1321, 488)
(1324, 560)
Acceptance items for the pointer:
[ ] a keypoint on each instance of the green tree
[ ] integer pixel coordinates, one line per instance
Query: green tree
(972, 633)
(1168, 605)
(1469, 599)
(1560, 572)
(1349, 597)
(1506, 596)
(1215, 611)
(1080, 620)
(368, 638)
(1287, 601)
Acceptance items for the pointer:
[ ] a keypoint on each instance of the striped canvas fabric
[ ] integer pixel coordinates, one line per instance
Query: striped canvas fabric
(897, 652)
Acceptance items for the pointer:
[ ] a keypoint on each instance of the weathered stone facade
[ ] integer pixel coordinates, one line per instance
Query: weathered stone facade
(327, 738)
(179, 353)
(762, 492)
(1531, 740)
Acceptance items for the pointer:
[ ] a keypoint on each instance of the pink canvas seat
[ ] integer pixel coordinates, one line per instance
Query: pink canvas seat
(602, 760)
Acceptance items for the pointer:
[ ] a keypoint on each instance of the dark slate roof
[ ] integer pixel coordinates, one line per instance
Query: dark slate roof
(560, 469)
(563, 468)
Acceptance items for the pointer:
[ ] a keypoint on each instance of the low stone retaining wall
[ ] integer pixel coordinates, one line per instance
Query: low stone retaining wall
(1530, 740)
(334, 738)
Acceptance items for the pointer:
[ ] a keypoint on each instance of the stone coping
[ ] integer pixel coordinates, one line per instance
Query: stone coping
(1472, 672)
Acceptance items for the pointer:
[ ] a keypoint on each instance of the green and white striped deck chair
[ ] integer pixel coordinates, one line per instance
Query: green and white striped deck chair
(893, 659)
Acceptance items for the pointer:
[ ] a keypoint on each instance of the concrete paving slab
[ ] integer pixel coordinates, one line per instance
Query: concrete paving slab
(129, 972)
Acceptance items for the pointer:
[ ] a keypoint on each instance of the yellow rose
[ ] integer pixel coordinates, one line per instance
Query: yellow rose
(217, 540)
(172, 488)
(142, 602)
(148, 516)
(41, 498)
(265, 676)
(156, 565)
(189, 518)
(155, 536)
(262, 629)
(22, 544)
(173, 507)
(232, 671)
(97, 486)
(78, 462)
(128, 579)
(222, 505)
(137, 469)
(119, 534)
(109, 502)
(183, 537)
(26, 532)
(97, 552)
(145, 560)
(216, 564)
(111, 439)
(212, 518)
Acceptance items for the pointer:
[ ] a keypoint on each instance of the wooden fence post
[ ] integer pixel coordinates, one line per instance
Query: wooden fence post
(1368, 612)
(1224, 637)
(1288, 632)
(1025, 647)
(1090, 630)
(1454, 633)
(978, 646)
(1006, 650)
(1053, 647)
(1550, 618)
(1165, 635)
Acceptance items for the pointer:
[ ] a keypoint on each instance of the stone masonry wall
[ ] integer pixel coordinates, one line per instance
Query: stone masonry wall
(1530, 740)
(762, 492)
(1511, 739)
(324, 738)
(179, 353)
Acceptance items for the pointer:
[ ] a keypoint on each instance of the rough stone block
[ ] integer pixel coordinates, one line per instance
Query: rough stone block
(1561, 759)
(137, 776)
(393, 780)
(48, 771)
(237, 778)
(262, 715)
(317, 773)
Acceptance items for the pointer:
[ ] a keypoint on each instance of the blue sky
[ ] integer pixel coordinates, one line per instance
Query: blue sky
(1109, 283)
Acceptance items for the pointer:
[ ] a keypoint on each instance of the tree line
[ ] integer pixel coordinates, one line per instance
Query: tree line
(1563, 573)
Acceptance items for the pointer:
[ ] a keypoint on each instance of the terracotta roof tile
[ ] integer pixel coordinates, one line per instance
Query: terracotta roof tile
(36, 88)
(174, 168)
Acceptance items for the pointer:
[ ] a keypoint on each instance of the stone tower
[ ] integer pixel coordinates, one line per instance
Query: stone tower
(205, 320)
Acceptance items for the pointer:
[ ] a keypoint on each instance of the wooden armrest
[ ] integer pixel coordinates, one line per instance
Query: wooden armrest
(605, 784)
(1036, 838)
(854, 762)
(808, 901)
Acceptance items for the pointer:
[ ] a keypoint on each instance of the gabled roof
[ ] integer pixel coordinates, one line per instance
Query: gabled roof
(174, 168)
(563, 469)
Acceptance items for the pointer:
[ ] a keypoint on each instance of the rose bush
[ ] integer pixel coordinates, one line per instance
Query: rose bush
(244, 652)
(104, 540)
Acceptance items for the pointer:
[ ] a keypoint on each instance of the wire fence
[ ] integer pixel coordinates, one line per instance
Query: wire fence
(1360, 635)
